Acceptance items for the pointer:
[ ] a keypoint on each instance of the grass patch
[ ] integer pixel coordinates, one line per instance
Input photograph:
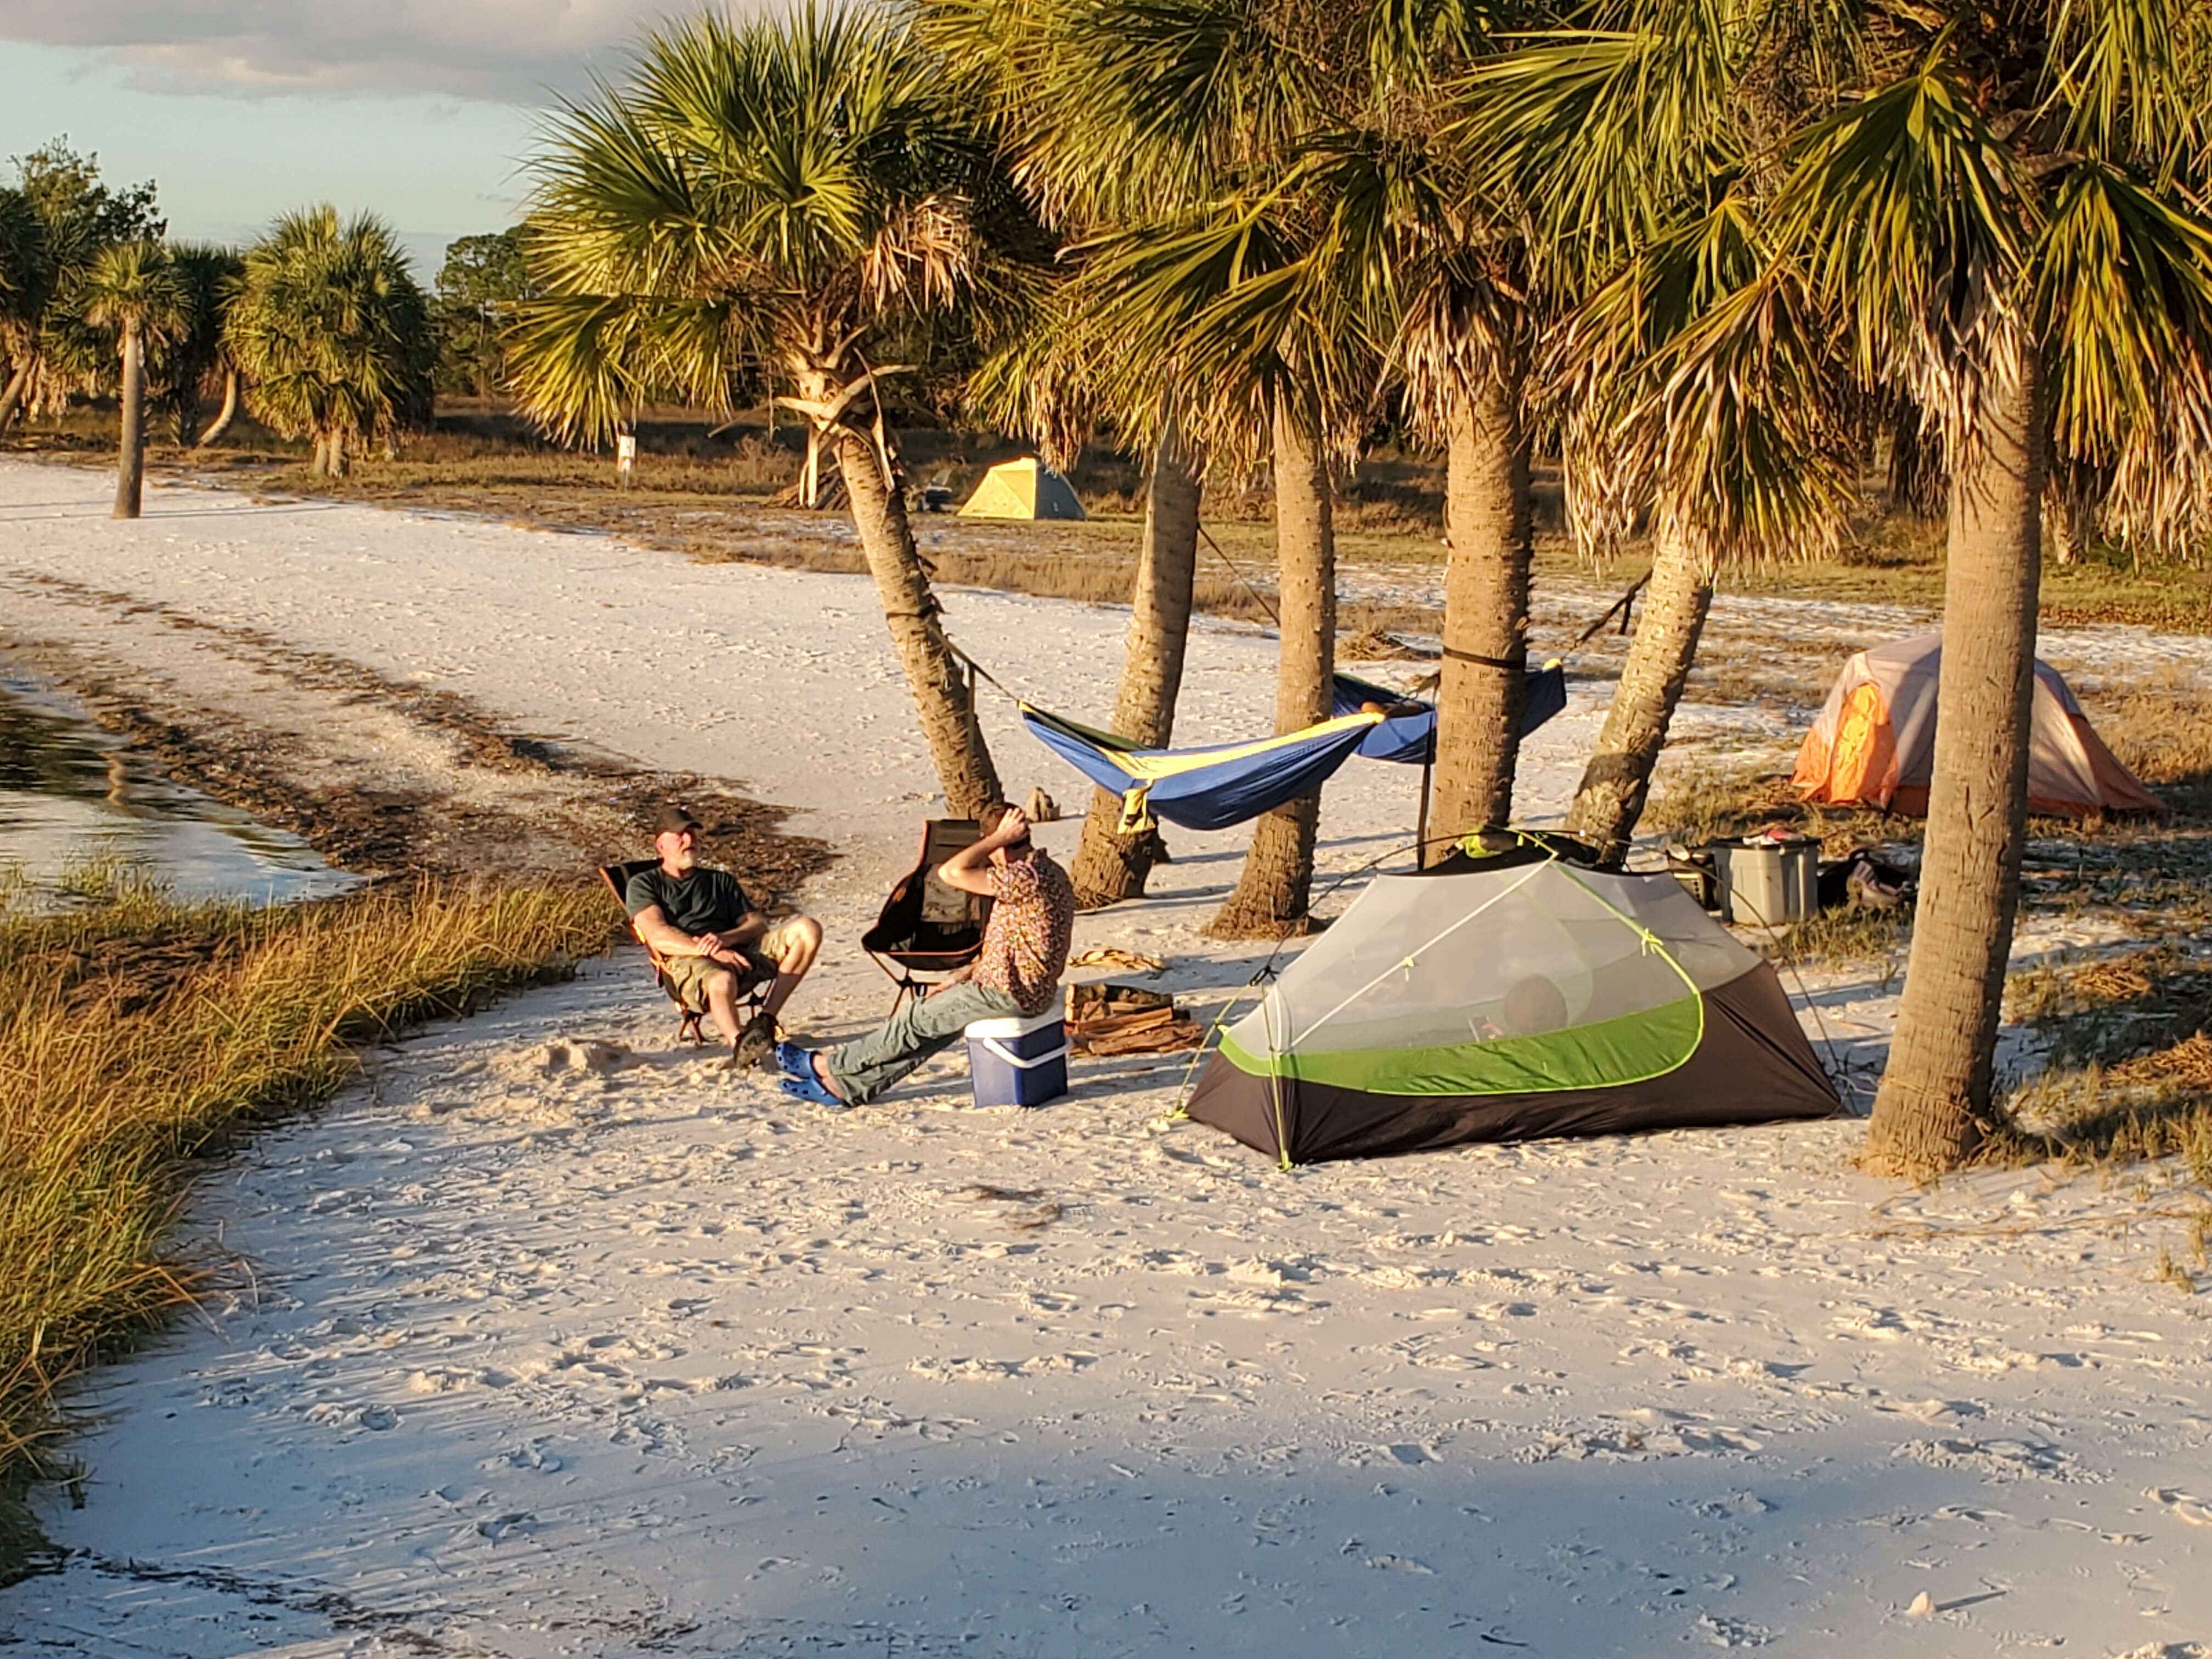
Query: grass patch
(1699, 803)
(2129, 1065)
(138, 1034)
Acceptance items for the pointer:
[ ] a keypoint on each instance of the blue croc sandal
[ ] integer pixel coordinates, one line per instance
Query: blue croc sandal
(792, 1061)
(810, 1088)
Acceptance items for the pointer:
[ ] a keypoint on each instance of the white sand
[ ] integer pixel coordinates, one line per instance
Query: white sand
(561, 1342)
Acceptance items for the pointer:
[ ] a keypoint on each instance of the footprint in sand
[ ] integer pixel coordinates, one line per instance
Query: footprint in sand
(2198, 1511)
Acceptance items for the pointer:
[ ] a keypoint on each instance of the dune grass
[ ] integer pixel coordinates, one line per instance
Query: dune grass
(138, 1033)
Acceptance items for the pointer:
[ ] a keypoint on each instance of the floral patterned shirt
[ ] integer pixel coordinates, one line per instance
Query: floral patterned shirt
(1026, 942)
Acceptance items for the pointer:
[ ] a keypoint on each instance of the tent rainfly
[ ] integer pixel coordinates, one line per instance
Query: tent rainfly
(1026, 488)
(1506, 997)
(1874, 744)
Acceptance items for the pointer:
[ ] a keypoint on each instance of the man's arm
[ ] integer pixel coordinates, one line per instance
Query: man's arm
(656, 931)
(747, 929)
(970, 870)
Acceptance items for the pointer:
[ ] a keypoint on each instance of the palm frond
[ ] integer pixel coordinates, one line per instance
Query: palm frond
(2124, 304)
(1917, 219)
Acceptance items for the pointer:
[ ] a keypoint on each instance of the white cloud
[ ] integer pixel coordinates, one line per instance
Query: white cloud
(512, 50)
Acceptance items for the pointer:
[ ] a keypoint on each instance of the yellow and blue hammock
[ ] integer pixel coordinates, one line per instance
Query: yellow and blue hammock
(1214, 786)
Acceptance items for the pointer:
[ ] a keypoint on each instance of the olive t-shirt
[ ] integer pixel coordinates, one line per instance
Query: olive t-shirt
(704, 901)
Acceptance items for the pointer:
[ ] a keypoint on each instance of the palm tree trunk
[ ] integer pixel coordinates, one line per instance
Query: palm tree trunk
(1615, 784)
(1486, 517)
(1935, 1094)
(341, 460)
(224, 416)
(941, 695)
(17, 389)
(1110, 866)
(131, 461)
(1273, 894)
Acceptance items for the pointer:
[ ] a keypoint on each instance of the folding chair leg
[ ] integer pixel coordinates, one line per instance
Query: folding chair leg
(687, 1029)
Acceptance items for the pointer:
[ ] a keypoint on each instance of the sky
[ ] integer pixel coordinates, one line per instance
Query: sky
(420, 111)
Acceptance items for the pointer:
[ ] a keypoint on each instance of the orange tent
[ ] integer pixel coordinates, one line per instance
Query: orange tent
(1874, 742)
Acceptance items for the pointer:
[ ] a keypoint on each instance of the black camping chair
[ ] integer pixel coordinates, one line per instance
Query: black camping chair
(617, 877)
(929, 932)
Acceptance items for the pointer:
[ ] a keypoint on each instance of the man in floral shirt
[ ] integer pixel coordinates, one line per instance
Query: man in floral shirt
(1024, 953)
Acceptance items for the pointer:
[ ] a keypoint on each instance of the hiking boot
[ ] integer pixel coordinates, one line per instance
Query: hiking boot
(756, 1044)
(1869, 889)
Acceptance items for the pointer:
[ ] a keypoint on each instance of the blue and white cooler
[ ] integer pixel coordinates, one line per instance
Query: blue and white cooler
(1022, 1061)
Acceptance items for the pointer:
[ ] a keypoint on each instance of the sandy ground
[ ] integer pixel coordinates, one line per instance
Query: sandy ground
(559, 1340)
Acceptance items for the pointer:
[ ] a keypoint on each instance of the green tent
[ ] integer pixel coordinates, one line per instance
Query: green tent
(1026, 488)
(1505, 997)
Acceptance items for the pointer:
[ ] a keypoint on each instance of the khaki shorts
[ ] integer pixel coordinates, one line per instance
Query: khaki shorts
(687, 976)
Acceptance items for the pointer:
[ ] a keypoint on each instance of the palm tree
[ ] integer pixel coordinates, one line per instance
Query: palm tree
(1634, 139)
(1715, 367)
(2011, 214)
(26, 284)
(1208, 284)
(180, 373)
(2002, 213)
(1110, 866)
(1226, 289)
(330, 334)
(792, 197)
(1087, 165)
(1439, 248)
(53, 224)
(134, 290)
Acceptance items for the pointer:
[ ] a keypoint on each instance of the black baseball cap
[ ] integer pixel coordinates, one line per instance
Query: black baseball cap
(674, 820)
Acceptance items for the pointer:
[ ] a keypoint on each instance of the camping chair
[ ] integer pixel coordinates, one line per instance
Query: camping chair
(927, 931)
(617, 877)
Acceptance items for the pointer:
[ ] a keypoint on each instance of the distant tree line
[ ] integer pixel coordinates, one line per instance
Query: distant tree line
(319, 330)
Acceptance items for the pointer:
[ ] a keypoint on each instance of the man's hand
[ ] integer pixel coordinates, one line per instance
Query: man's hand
(969, 870)
(710, 946)
(1012, 828)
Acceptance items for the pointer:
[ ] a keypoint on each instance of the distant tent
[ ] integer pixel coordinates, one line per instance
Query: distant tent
(1508, 997)
(1026, 488)
(1874, 744)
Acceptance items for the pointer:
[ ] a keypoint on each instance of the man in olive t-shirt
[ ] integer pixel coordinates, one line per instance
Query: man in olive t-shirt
(714, 945)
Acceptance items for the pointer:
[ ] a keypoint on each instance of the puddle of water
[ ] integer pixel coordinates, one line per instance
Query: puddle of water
(70, 791)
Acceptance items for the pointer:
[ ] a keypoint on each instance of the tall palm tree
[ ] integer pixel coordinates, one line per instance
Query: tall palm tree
(1226, 290)
(1435, 241)
(792, 197)
(330, 334)
(2011, 212)
(1714, 365)
(1207, 286)
(134, 290)
(59, 217)
(1089, 164)
(1635, 136)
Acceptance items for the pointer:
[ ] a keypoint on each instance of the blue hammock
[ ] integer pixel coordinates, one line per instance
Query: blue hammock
(1206, 788)
(1411, 739)
(1212, 787)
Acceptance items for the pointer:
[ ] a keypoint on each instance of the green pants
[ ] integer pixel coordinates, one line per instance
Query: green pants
(867, 1065)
